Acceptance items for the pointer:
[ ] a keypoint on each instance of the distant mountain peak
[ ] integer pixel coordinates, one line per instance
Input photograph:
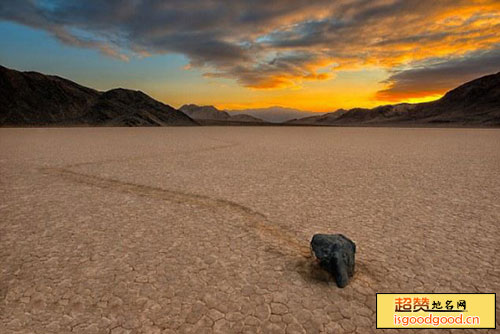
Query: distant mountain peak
(274, 114)
(204, 112)
(197, 107)
(209, 112)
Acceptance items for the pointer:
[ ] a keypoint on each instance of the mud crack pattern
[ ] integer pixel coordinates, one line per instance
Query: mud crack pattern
(207, 230)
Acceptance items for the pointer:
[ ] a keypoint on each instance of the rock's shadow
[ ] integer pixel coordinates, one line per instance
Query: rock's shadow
(311, 272)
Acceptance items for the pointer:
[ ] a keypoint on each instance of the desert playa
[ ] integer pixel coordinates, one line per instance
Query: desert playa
(207, 229)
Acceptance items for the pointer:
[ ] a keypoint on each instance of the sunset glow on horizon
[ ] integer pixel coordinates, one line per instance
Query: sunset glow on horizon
(311, 55)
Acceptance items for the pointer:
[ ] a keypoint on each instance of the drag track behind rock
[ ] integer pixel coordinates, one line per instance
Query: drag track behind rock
(277, 236)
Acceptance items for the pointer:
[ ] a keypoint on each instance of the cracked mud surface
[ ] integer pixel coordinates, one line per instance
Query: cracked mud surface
(193, 230)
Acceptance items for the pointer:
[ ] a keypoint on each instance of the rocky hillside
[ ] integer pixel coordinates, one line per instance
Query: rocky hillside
(118, 107)
(35, 99)
(476, 103)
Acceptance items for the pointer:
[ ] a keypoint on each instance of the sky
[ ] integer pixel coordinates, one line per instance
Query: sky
(314, 55)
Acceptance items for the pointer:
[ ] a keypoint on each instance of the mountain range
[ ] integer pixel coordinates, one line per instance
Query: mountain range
(35, 99)
(475, 103)
(275, 114)
(205, 114)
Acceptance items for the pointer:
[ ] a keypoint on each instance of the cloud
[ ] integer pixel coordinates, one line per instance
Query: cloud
(282, 70)
(437, 76)
(270, 44)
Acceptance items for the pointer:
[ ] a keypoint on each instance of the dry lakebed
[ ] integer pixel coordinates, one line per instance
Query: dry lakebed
(201, 230)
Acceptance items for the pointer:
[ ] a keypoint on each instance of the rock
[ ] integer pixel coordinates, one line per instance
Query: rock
(335, 254)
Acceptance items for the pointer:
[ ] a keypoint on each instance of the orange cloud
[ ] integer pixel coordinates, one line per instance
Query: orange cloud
(284, 43)
(432, 78)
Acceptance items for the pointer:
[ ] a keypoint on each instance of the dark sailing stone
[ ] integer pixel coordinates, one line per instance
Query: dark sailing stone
(335, 254)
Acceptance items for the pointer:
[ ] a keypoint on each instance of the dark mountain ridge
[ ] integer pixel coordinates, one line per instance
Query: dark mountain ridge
(475, 103)
(35, 99)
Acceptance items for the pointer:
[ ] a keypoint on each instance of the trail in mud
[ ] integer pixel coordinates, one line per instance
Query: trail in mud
(278, 237)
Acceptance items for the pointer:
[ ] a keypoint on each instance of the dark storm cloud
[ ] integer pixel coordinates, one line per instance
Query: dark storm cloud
(262, 43)
(438, 76)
